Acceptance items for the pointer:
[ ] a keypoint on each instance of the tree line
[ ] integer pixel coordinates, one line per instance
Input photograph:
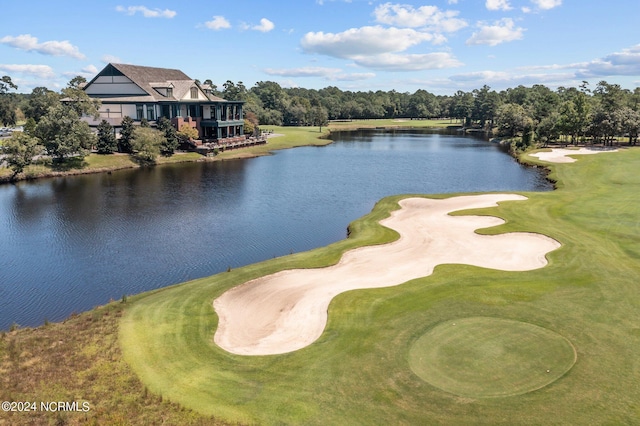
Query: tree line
(523, 115)
(534, 114)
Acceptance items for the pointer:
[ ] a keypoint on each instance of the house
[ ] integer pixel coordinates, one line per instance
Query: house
(147, 92)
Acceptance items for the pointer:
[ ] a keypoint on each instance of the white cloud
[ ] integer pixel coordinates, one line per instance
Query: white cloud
(377, 47)
(452, 1)
(547, 4)
(428, 17)
(90, 69)
(623, 63)
(501, 79)
(265, 26)
(334, 74)
(364, 41)
(321, 2)
(500, 32)
(498, 5)
(357, 76)
(482, 76)
(40, 71)
(110, 59)
(218, 23)
(626, 62)
(408, 62)
(526, 9)
(146, 12)
(54, 48)
(303, 72)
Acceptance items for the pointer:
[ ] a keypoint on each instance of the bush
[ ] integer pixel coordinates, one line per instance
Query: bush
(146, 144)
(187, 133)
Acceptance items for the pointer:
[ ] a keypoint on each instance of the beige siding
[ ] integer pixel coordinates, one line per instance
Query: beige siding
(129, 109)
(187, 96)
(119, 85)
(114, 111)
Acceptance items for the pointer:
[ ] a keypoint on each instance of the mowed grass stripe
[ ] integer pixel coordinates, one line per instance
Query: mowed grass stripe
(359, 369)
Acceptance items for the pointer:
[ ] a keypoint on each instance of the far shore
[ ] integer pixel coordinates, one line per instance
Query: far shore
(281, 137)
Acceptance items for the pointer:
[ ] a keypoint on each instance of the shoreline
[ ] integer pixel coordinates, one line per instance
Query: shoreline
(283, 132)
(224, 378)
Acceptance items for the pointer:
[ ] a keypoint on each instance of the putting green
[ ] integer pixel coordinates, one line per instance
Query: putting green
(482, 357)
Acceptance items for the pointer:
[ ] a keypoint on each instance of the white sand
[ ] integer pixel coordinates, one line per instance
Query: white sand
(287, 311)
(559, 155)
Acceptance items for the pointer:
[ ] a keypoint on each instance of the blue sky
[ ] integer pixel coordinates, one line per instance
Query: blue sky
(440, 45)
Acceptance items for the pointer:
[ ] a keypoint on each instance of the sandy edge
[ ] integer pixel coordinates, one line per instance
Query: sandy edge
(287, 311)
(560, 155)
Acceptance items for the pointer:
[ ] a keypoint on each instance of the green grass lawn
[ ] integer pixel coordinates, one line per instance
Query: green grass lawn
(359, 370)
(392, 122)
(484, 357)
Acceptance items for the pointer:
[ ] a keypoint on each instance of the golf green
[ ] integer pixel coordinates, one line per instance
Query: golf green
(481, 357)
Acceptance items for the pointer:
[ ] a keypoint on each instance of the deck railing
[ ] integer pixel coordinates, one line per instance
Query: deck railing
(232, 142)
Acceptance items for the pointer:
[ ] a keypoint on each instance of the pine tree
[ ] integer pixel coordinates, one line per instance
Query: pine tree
(126, 135)
(107, 143)
(170, 144)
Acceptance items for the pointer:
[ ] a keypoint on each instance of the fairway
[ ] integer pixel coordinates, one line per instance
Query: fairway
(490, 357)
(363, 367)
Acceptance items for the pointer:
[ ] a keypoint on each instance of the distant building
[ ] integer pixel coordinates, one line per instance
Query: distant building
(146, 92)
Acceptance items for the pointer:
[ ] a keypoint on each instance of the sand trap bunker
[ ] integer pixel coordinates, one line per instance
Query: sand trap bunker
(558, 155)
(287, 310)
(484, 357)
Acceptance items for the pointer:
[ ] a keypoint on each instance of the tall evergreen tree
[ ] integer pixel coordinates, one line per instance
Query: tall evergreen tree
(107, 143)
(170, 144)
(125, 144)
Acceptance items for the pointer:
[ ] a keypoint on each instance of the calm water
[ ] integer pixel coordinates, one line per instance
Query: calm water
(69, 244)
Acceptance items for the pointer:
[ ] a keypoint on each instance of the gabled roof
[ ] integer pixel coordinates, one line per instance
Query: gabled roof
(149, 78)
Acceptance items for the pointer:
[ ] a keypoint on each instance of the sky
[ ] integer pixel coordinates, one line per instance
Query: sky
(441, 46)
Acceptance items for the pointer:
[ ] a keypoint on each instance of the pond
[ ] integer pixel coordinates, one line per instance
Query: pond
(69, 244)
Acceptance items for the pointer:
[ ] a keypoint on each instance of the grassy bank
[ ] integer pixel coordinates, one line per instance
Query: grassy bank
(93, 163)
(391, 123)
(80, 360)
(359, 369)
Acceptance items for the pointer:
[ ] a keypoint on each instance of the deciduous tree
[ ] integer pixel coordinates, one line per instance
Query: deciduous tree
(78, 100)
(187, 133)
(40, 100)
(20, 150)
(146, 144)
(629, 123)
(7, 102)
(319, 116)
(513, 120)
(63, 134)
